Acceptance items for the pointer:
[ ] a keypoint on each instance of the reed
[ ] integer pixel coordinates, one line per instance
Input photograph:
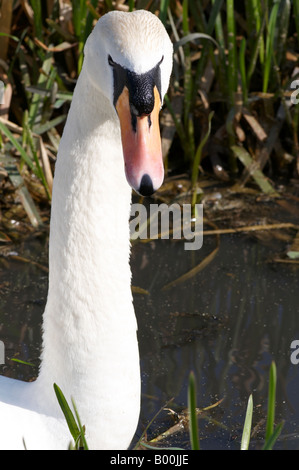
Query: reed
(248, 55)
(83, 22)
(232, 60)
(272, 433)
(73, 421)
(193, 426)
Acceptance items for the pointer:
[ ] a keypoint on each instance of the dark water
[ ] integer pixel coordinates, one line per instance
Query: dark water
(226, 325)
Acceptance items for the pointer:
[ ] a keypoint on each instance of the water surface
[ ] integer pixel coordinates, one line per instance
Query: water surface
(226, 325)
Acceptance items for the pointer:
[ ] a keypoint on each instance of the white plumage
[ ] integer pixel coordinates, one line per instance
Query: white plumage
(89, 328)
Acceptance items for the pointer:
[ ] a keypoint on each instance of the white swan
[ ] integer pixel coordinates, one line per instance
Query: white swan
(89, 328)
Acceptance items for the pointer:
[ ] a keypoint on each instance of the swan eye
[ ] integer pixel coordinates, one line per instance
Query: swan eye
(111, 61)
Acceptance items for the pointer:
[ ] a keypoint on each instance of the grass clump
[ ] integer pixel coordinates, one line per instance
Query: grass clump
(271, 432)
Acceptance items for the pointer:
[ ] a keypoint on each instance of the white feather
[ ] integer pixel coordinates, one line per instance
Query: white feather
(89, 328)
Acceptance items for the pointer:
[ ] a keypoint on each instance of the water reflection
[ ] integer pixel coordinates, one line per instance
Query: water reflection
(226, 324)
(23, 290)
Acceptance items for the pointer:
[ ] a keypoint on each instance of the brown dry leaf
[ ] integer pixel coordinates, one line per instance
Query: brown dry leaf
(240, 133)
(26, 260)
(46, 164)
(253, 169)
(7, 96)
(255, 125)
(28, 10)
(139, 290)
(251, 228)
(287, 206)
(60, 48)
(4, 238)
(192, 272)
(12, 126)
(5, 25)
(292, 56)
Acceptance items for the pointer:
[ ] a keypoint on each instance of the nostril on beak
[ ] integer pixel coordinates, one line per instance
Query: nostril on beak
(142, 104)
(134, 110)
(146, 186)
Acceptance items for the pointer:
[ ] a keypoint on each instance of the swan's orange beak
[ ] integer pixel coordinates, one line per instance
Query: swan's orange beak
(141, 143)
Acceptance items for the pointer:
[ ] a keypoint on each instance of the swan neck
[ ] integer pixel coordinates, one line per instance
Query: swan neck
(89, 308)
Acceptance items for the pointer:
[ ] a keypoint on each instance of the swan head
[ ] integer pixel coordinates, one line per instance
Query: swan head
(128, 57)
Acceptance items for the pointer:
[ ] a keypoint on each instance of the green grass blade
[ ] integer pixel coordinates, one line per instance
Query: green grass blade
(42, 128)
(79, 10)
(83, 22)
(215, 12)
(109, 5)
(198, 154)
(15, 38)
(281, 34)
(257, 49)
(18, 147)
(196, 161)
(218, 25)
(219, 33)
(35, 110)
(30, 139)
(245, 441)
(269, 46)
(91, 12)
(256, 173)
(191, 37)
(198, 15)
(255, 16)
(37, 18)
(70, 419)
(19, 361)
(271, 401)
(296, 16)
(207, 52)
(242, 67)
(273, 438)
(193, 427)
(81, 438)
(232, 73)
(131, 5)
(188, 84)
(163, 10)
(79, 23)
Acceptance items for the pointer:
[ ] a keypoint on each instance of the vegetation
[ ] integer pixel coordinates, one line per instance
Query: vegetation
(271, 435)
(272, 432)
(229, 100)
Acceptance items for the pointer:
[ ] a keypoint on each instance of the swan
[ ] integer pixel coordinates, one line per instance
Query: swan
(110, 144)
